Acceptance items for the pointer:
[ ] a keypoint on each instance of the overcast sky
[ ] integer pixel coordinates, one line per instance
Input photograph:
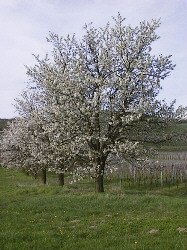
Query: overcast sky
(25, 24)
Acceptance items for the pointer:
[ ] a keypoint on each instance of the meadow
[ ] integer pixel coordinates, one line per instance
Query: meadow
(36, 216)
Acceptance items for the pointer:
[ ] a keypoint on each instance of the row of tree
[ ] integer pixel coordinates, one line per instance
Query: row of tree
(92, 100)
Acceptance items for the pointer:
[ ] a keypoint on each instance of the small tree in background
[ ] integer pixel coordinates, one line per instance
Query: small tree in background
(15, 147)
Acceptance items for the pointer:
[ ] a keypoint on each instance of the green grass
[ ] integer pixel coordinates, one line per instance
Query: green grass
(34, 216)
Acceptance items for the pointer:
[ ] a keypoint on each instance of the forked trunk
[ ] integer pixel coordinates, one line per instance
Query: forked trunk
(44, 176)
(61, 179)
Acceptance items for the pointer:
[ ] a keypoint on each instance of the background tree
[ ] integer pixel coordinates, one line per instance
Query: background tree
(50, 144)
(15, 147)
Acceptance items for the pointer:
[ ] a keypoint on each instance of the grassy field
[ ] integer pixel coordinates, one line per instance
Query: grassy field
(34, 216)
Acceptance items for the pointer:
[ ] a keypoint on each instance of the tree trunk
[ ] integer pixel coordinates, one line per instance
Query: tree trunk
(61, 179)
(100, 167)
(34, 175)
(44, 176)
(99, 188)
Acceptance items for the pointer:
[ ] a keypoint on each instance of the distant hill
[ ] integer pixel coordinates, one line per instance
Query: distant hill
(179, 144)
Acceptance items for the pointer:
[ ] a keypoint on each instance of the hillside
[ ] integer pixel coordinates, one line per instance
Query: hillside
(179, 141)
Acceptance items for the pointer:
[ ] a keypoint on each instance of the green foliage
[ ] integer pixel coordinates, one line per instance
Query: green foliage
(34, 216)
